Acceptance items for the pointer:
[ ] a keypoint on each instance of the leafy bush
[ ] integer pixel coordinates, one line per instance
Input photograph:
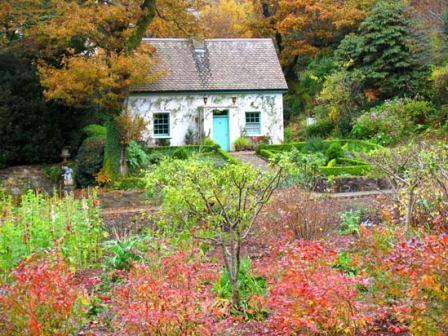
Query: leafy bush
(121, 254)
(89, 161)
(309, 296)
(53, 173)
(334, 152)
(207, 141)
(287, 135)
(137, 157)
(43, 298)
(390, 122)
(130, 183)
(242, 144)
(167, 298)
(180, 153)
(307, 216)
(350, 222)
(95, 130)
(409, 278)
(252, 290)
(73, 226)
(314, 145)
(321, 129)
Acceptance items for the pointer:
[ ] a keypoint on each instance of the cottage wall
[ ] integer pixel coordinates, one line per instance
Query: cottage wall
(188, 111)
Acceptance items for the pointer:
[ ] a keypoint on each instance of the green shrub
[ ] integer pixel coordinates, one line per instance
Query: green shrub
(313, 145)
(40, 222)
(388, 123)
(95, 130)
(121, 254)
(206, 141)
(53, 173)
(332, 163)
(287, 135)
(137, 157)
(335, 151)
(180, 153)
(89, 161)
(112, 150)
(322, 129)
(350, 222)
(249, 286)
(242, 144)
(130, 183)
(360, 170)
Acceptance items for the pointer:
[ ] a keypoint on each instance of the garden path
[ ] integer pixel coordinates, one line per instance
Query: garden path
(251, 158)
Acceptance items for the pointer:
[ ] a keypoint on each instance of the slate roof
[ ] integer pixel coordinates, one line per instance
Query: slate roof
(216, 65)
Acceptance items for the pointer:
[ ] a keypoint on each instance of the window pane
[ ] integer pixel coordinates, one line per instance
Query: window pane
(161, 124)
(253, 123)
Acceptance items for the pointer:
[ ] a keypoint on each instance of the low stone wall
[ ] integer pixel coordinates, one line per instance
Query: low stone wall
(16, 180)
(351, 184)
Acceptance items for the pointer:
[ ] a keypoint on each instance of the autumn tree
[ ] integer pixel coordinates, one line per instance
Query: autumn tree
(89, 52)
(307, 27)
(227, 18)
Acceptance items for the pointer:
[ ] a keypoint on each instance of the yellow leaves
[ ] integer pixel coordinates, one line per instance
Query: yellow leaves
(131, 127)
(229, 18)
(103, 78)
(308, 26)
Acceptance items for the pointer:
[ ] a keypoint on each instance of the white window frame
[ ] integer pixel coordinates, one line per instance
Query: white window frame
(258, 124)
(161, 136)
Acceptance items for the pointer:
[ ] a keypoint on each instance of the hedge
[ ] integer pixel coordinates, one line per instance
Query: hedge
(171, 150)
(359, 170)
(351, 144)
(353, 167)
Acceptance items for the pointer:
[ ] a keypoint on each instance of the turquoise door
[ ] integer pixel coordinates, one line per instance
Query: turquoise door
(221, 131)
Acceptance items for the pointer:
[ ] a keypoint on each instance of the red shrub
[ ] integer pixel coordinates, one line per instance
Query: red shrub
(42, 299)
(171, 298)
(310, 296)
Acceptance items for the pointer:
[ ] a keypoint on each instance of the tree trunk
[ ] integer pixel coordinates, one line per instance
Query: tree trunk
(410, 209)
(149, 6)
(123, 161)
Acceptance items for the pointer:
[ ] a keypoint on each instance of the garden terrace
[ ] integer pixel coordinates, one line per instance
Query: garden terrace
(183, 152)
(343, 164)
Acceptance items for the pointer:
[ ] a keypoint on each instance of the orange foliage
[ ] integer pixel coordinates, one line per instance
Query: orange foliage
(85, 49)
(229, 18)
(308, 26)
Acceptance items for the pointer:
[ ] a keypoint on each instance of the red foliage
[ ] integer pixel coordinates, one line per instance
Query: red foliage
(310, 296)
(171, 298)
(42, 299)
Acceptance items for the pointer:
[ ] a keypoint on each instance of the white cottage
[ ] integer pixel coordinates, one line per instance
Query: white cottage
(221, 88)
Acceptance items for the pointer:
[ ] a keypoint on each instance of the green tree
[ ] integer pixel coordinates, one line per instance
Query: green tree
(389, 50)
(33, 130)
(218, 204)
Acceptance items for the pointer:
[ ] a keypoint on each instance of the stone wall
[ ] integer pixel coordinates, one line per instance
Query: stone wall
(351, 184)
(18, 179)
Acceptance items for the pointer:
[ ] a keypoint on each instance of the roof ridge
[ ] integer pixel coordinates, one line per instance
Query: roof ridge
(164, 39)
(208, 40)
(241, 39)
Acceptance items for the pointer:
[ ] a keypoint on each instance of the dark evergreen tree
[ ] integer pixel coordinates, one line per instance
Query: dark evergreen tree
(390, 51)
(32, 130)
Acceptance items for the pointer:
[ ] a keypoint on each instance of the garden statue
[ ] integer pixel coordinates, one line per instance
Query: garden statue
(67, 175)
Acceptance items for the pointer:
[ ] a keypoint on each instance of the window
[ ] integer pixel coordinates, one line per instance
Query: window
(161, 124)
(253, 123)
